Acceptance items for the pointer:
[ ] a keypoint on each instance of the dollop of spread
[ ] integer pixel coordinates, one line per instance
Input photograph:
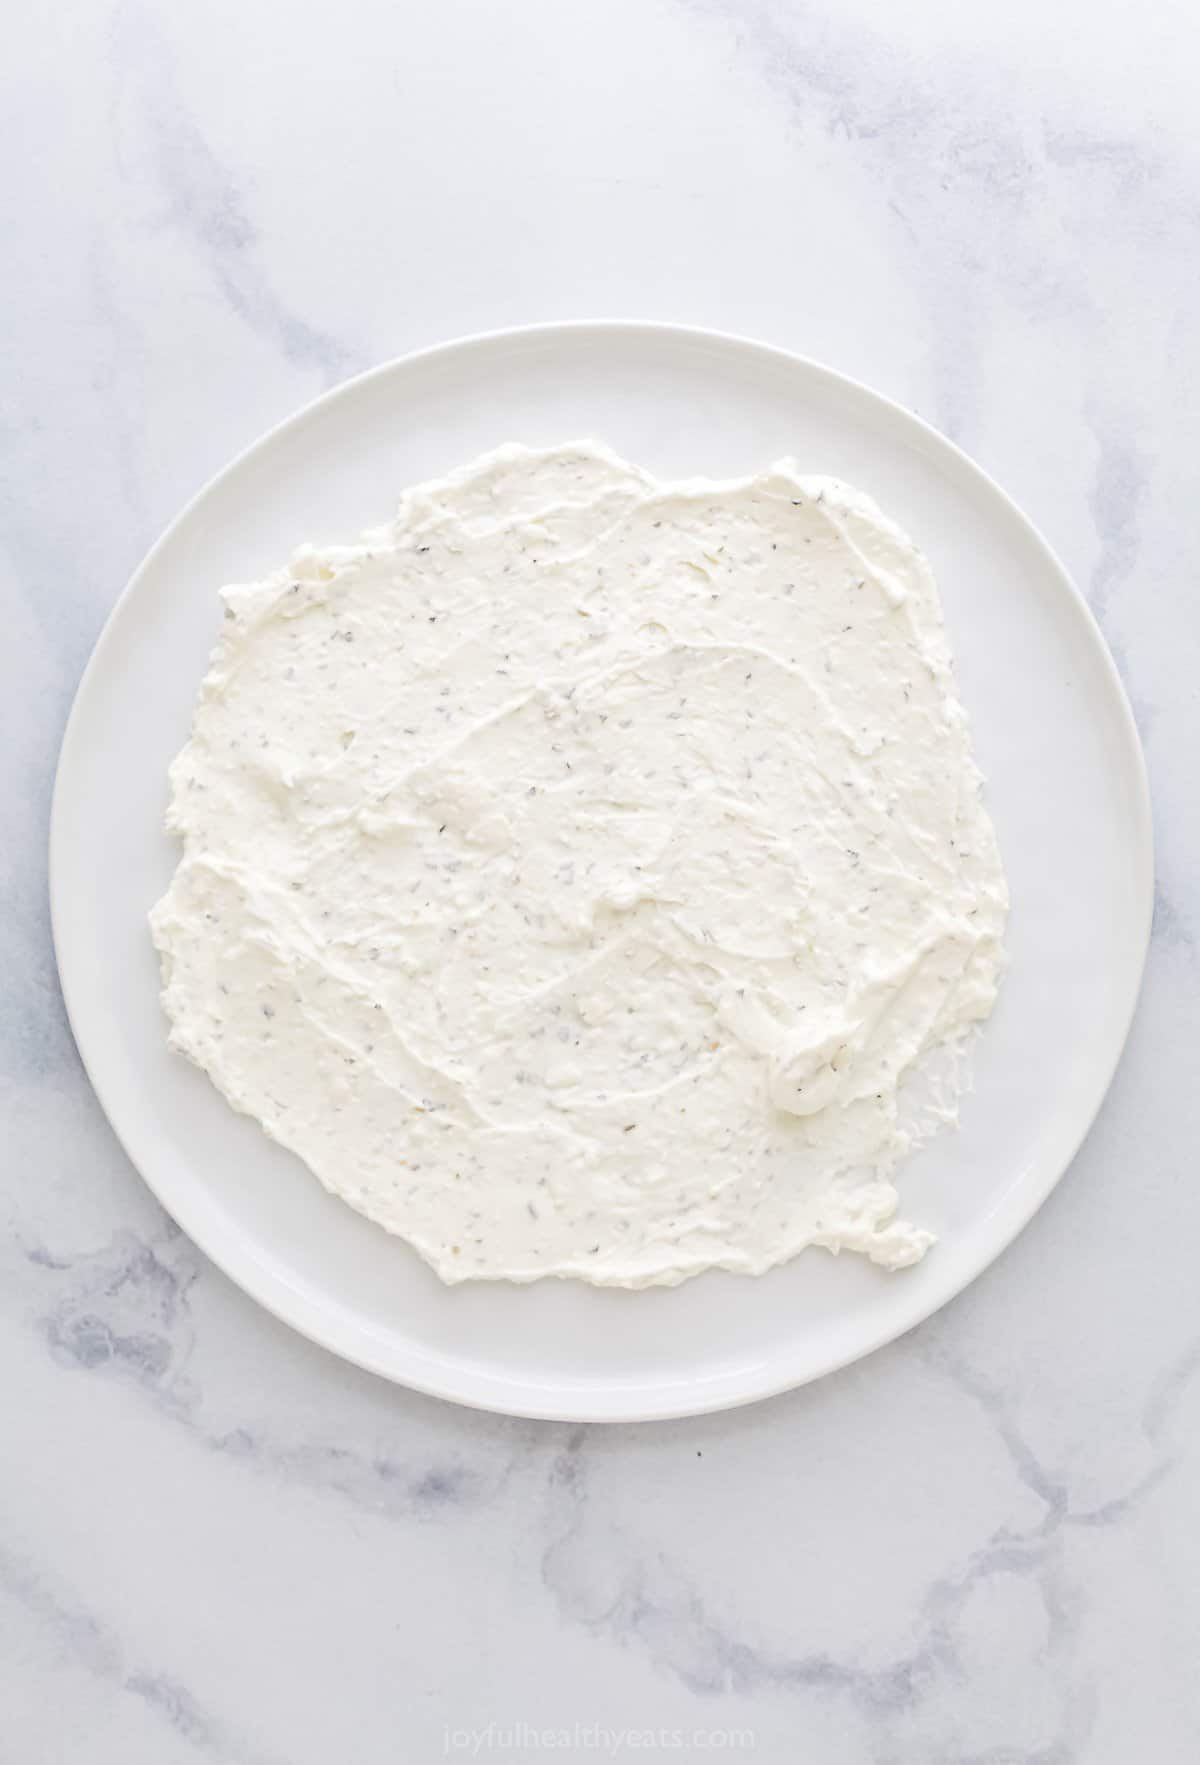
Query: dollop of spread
(577, 871)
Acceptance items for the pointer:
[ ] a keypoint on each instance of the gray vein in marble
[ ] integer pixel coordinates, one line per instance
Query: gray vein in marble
(119, 364)
(125, 1313)
(204, 202)
(1049, 1490)
(93, 1646)
(1118, 492)
(383, 1484)
(851, 85)
(966, 171)
(654, 1608)
(1127, 162)
(37, 1042)
(1053, 1492)
(1169, 1392)
(1169, 927)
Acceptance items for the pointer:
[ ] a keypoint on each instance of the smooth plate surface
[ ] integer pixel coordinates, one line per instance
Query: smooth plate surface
(1066, 788)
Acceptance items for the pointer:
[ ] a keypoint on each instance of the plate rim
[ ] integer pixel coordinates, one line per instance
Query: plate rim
(484, 1390)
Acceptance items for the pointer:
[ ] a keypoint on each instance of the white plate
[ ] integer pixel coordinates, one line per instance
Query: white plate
(1066, 786)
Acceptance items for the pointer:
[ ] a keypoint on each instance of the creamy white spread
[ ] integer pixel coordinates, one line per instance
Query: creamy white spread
(577, 871)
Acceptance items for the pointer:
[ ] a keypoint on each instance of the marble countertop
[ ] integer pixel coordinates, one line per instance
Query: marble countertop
(217, 1542)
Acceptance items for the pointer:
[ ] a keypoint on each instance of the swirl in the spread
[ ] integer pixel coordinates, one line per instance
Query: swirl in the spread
(576, 870)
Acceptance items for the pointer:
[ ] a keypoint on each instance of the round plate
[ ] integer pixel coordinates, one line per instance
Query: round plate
(1066, 787)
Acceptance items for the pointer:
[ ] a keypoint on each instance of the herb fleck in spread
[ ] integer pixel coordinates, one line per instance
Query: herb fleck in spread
(544, 815)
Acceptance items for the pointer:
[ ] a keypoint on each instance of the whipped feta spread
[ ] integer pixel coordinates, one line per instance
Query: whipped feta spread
(577, 871)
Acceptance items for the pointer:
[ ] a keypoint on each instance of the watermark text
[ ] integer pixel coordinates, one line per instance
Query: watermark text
(526, 1738)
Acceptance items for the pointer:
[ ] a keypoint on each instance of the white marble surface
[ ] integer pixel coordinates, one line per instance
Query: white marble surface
(215, 1541)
